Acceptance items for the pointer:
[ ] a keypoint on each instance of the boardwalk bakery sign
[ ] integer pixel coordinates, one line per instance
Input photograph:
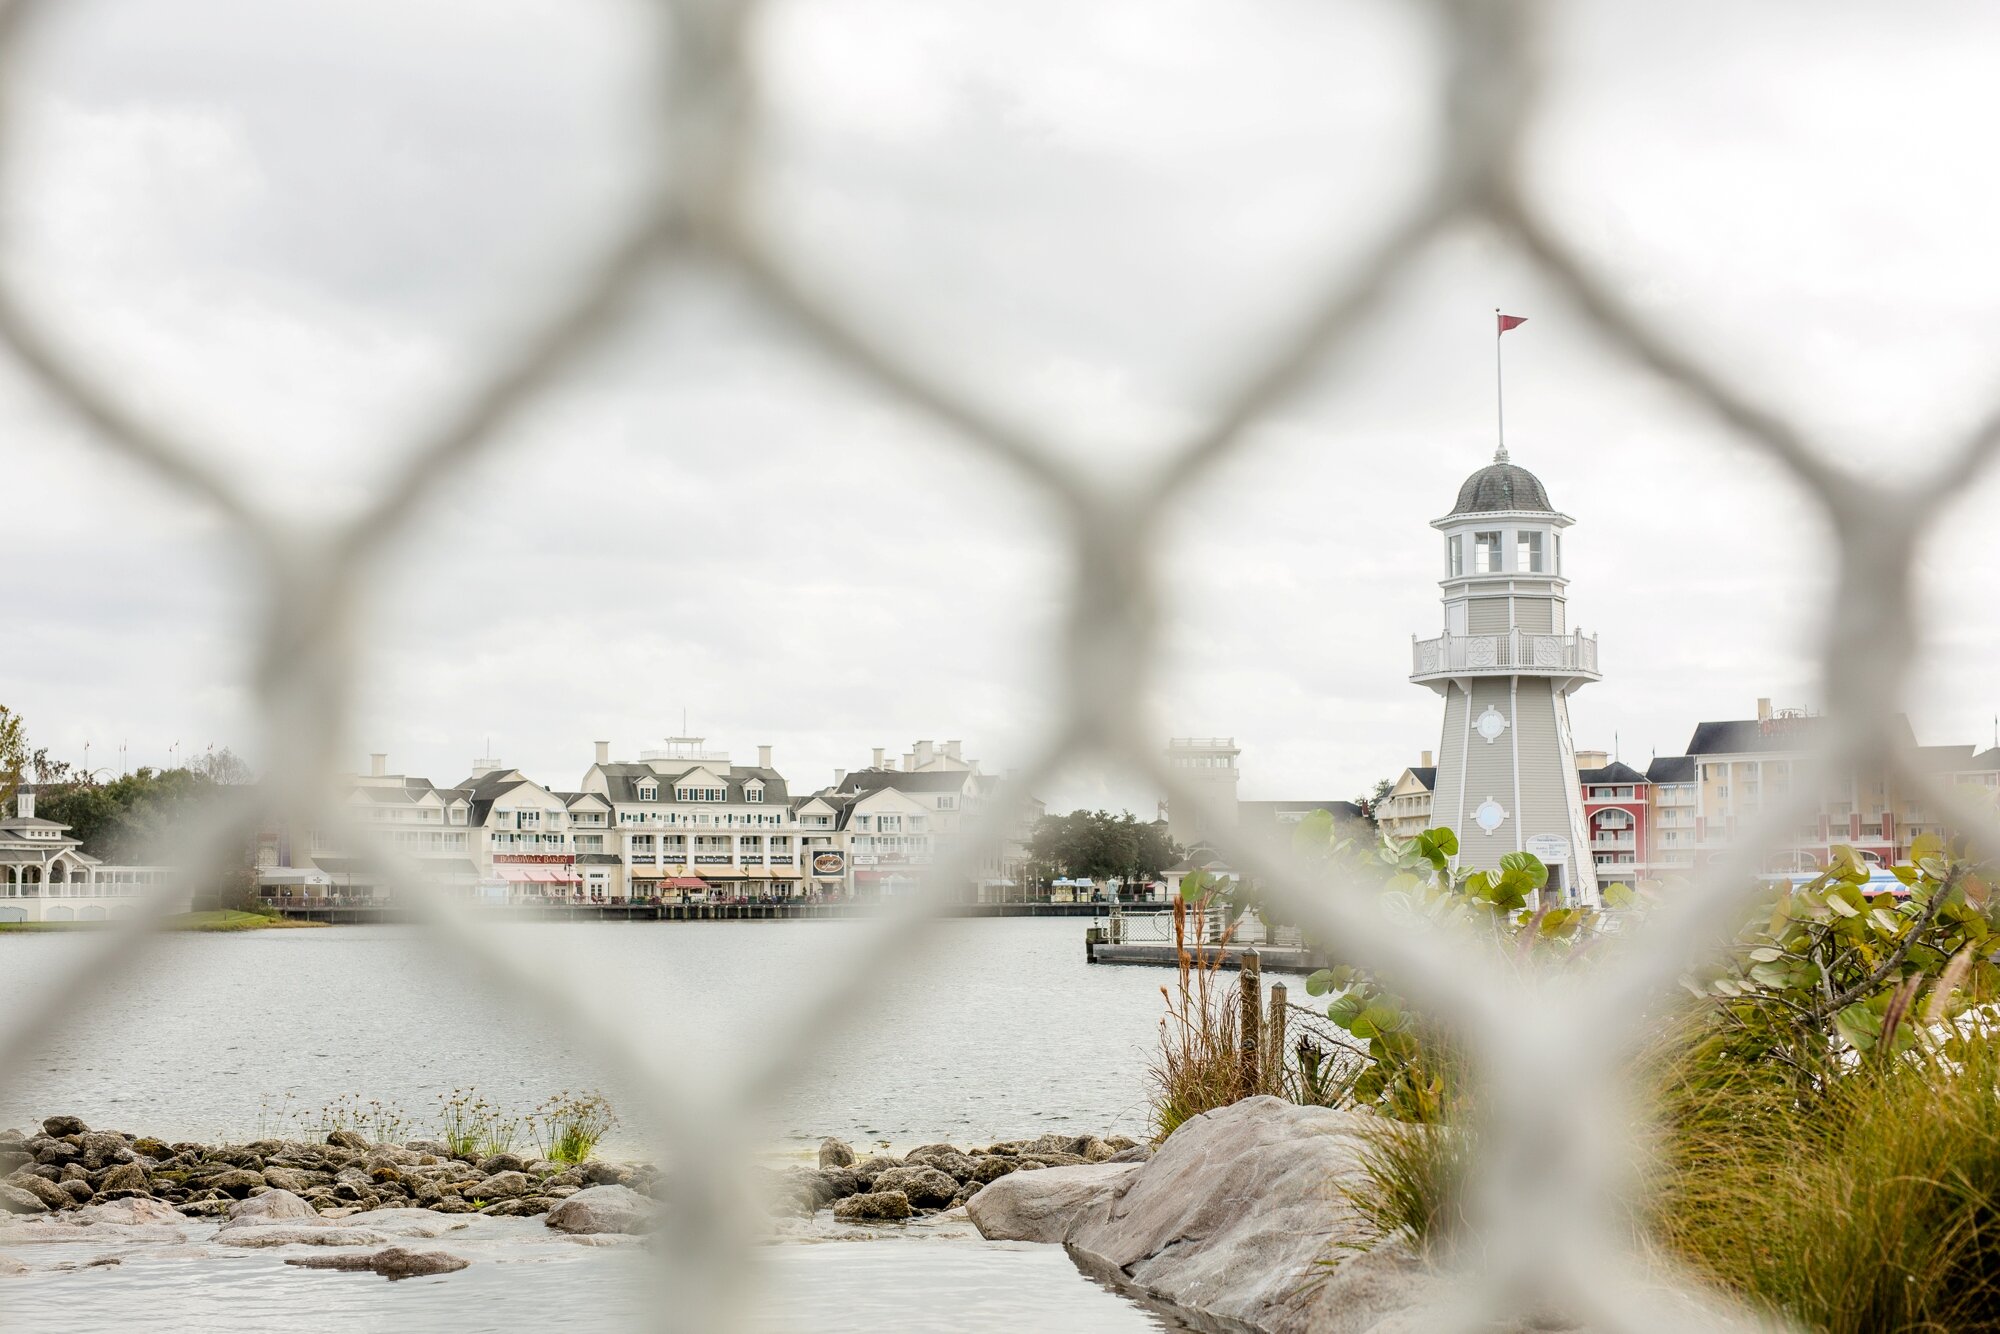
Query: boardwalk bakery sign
(829, 863)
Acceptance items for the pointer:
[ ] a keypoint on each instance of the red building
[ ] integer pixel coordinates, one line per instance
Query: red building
(1614, 810)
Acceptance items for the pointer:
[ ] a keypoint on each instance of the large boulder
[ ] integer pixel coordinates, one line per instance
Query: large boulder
(500, 1162)
(17, 1200)
(271, 1206)
(1044, 1205)
(1234, 1217)
(298, 1234)
(56, 1127)
(499, 1186)
(101, 1148)
(48, 1192)
(138, 1211)
(924, 1187)
(944, 1158)
(875, 1206)
(238, 1181)
(835, 1153)
(602, 1209)
(392, 1262)
(124, 1179)
(288, 1180)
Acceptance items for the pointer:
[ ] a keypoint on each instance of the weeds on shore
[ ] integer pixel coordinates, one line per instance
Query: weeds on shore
(383, 1122)
(1870, 1204)
(568, 1127)
(1199, 1067)
(472, 1127)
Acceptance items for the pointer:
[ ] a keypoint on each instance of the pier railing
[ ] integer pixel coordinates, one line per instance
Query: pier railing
(1557, 1059)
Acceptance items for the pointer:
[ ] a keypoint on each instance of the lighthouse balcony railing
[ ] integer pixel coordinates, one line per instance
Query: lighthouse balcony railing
(1511, 651)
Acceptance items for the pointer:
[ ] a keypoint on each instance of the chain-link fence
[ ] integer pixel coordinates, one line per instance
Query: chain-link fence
(1555, 1188)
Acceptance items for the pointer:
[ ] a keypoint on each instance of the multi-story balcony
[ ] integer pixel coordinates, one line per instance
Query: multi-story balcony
(1504, 655)
(1605, 841)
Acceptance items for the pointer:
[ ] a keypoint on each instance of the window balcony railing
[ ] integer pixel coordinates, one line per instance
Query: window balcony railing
(1510, 652)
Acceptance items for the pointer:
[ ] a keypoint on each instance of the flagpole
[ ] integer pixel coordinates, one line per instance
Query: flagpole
(1499, 393)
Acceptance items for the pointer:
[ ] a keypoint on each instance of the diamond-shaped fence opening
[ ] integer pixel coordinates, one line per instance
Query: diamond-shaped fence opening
(1552, 1052)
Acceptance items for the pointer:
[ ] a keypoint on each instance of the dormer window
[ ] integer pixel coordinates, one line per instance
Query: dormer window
(754, 792)
(649, 792)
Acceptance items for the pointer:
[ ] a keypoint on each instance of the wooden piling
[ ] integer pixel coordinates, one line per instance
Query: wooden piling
(1274, 1041)
(1250, 1024)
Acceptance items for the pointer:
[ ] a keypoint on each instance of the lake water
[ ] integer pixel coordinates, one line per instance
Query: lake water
(987, 1029)
(983, 1030)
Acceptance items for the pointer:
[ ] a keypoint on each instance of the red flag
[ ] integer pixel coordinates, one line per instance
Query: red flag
(1509, 321)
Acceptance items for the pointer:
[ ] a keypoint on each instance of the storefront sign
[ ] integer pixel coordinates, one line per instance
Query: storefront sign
(829, 863)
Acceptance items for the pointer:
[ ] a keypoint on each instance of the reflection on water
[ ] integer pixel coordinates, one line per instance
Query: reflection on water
(522, 1277)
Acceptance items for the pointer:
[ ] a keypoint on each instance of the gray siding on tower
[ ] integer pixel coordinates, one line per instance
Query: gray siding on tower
(1532, 615)
(1487, 616)
(1545, 787)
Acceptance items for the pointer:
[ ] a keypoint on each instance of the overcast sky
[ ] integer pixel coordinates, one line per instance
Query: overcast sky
(288, 229)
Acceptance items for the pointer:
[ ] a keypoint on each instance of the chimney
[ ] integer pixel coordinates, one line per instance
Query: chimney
(923, 755)
(24, 805)
(378, 764)
(1428, 761)
(763, 757)
(604, 752)
(839, 777)
(951, 750)
(1763, 710)
(878, 758)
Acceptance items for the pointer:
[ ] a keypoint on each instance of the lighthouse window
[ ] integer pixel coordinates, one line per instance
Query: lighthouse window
(1528, 552)
(1457, 547)
(1486, 553)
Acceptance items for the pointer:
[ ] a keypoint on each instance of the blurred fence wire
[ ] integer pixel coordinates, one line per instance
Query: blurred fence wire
(1555, 1187)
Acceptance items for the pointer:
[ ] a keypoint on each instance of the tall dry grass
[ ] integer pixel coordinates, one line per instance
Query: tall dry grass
(1199, 1065)
(1866, 1204)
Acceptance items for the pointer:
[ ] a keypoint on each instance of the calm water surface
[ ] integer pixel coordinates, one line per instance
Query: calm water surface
(978, 1030)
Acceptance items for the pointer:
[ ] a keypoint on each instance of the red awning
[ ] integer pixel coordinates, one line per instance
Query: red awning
(536, 875)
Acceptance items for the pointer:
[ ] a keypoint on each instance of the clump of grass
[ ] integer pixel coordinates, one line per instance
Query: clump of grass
(382, 1122)
(568, 1127)
(1869, 1202)
(1412, 1183)
(472, 1127)
(1199, 1066)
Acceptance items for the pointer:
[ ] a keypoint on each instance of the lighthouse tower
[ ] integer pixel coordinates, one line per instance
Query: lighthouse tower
(1506, 665)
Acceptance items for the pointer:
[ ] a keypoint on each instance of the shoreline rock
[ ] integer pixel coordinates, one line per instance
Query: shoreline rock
(64, 1171)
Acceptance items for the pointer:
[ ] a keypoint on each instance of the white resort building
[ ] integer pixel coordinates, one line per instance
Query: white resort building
(45, 876)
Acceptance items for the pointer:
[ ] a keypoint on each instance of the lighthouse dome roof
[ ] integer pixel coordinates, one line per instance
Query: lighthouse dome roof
(1502, 485)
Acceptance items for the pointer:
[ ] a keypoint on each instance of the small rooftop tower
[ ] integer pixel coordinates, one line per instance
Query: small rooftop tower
(1506, 665)
(1208, 762)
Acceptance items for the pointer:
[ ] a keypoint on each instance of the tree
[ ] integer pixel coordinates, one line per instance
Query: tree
(223, 767)
(1371, 805)
(13, 752)
(1097, 845)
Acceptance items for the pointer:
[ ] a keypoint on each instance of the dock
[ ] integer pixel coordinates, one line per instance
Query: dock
(1146, 939)
(357, 914)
